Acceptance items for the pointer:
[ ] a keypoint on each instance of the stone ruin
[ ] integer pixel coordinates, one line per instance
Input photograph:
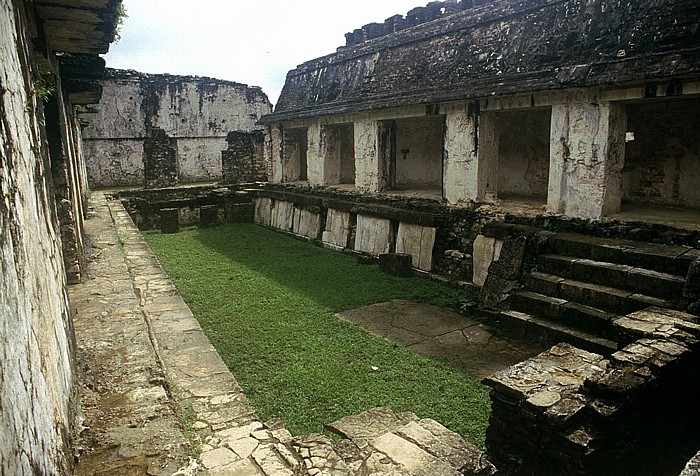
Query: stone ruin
(159, 130)
(494, 144)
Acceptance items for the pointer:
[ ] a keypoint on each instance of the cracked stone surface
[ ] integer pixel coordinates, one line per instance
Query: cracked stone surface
(468, 345)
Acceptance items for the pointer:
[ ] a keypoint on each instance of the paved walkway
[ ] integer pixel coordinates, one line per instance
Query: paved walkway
(158, 400)
(466, 344)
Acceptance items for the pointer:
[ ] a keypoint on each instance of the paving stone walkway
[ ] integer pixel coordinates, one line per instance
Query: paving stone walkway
(468, 345)
(158, 400)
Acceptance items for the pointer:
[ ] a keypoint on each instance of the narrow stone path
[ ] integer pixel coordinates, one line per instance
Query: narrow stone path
(158, 400)
(468, 345)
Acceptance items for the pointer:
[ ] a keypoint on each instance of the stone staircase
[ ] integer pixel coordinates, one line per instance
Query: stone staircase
(582, 284)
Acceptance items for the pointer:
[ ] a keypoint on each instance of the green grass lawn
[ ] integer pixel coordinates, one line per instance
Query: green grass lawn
(267, 302)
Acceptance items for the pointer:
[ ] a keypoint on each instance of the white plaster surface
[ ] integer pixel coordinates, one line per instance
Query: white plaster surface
(422, 165)
(418, 241)
(114, 162)
(306, 223)
(373, 235)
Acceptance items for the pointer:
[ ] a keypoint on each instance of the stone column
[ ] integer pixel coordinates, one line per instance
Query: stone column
(330, 154)
(314, 155)
(470, 170)
(460, 160)
(368, 169)
(273, 151)
(487, 158)
(587, 152)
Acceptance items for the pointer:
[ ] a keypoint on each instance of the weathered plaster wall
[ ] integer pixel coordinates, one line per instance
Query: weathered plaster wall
(36, 375)
(196, 112)
(662, 163)
(523, 153)
(422, 138)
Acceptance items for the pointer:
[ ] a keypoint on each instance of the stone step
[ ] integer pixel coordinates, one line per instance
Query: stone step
(380, 441)
(670, 259)
(620, 276)
(553, 332)
(545, 293)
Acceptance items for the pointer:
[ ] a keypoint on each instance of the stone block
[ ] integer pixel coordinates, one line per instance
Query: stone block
(169, 220)
(483, 255)
(417, 241)
(306, 223)
(338, 229)
(692, 281)
(509, 263)
(282, 215)
(397, 264)
(416, 460)
(208, 216)
(370, 424)
(374, 235)
(263, 211)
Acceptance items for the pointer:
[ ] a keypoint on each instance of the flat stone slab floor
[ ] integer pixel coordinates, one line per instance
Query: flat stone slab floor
(466, 344)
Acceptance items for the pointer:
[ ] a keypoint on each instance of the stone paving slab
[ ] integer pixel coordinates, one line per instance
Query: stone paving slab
(466, 344)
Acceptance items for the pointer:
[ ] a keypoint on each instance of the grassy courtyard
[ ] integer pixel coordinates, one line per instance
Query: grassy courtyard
(267, 303)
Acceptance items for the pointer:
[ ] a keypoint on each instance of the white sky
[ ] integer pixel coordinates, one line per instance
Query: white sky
(254, 42)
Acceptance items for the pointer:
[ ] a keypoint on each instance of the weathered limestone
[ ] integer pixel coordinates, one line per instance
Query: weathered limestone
(368, 167)
(587, 153)
(570, 411)
(338, 229)
(487, 158)
(486, 250)
(306, 223)
(460, 162)
(263, 211)
(243, 161)
(374, 235)
(194, 116)
(282, 215)
(417, 241)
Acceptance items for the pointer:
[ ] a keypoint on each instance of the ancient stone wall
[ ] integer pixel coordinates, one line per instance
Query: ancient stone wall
(36, 370)
(567, 411)
(194, 114)
(499, 47)
(662, 163)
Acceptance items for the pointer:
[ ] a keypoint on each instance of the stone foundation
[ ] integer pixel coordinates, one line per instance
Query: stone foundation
(568, 411)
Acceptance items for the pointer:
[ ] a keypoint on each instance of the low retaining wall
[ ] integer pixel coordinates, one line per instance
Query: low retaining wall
(350, 226)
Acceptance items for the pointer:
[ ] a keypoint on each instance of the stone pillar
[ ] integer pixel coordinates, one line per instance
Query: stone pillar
(273, 151)
(330, 154)
(460, 160)
(368, 169)
(160, 159)
(239, 161)
(487, 158)
(314, 155)
(587, 152)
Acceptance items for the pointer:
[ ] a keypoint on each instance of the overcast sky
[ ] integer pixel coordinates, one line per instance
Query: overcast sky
(248, 41)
